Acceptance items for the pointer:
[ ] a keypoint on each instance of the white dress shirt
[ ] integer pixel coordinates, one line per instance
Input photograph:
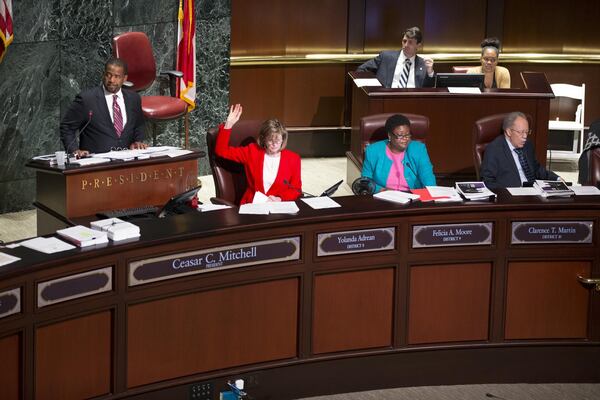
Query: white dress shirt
(120, 100)
(516, 159)
(400, 68)
(270, 169)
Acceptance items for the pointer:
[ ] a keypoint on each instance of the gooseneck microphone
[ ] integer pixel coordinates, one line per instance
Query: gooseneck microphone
(303, 194)
(78, 135)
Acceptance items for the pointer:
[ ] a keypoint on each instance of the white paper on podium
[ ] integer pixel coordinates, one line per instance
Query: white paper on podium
(367, 82)
(585, 190)
(464, 90)
(523, 191)
(47, 245)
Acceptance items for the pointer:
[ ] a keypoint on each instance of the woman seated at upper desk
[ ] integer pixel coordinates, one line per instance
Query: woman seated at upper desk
(270, 168)
(398, 163)
(495, 76)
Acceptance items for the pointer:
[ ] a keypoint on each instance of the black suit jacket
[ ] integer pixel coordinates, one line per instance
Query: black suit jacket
(384, 65)
(100, 135)
(499, 170)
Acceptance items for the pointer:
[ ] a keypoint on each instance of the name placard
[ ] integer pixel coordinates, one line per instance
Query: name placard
(150, 176)
(196, 262)
(74, 286)
(346, 242)
(530, 232)
(10, 302)
(446, 235)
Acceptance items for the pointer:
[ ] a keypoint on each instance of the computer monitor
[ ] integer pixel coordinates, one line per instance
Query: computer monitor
(446, 80)
(178, 203)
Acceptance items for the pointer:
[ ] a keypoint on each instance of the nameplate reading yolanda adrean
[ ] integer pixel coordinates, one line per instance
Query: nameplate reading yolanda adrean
(196, 262)
(452, 235)
(531, 232)
(10, 302)
(356, 241)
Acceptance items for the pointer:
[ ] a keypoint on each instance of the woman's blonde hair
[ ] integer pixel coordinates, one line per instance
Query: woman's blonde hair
(271, 128)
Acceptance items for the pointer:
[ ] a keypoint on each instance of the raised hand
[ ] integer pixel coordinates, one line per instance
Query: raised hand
(235, 112)
(429, 65)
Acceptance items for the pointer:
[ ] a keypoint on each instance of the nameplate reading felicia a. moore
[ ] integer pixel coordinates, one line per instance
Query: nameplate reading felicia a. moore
(196, 262)
(74, 286)
(445, 235)
(346, 242)
(530, 232)
(10, 302)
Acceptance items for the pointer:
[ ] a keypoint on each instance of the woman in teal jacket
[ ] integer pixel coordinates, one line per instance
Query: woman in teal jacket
(398, 163)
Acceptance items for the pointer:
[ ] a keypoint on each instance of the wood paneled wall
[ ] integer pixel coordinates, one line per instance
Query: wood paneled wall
(311, 95)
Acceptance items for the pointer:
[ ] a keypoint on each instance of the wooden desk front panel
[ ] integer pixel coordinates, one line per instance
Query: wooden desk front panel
(10, 377)
(399, 301)
(128, 187)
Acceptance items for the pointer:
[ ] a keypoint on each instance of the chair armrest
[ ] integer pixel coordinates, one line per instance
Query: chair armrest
(218, 200)
(172, 76)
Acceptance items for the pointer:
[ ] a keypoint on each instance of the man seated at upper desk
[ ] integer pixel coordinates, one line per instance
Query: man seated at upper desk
(509, 160)
(107, 117)
(403, 69)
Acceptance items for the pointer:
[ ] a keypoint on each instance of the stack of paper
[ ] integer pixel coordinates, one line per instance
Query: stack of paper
(271, 207)
(7, 259)
(83, 236)
(474, 191)
(552, 188)
(116, 229)
(47, 245)
(396, 196)
(321, 202)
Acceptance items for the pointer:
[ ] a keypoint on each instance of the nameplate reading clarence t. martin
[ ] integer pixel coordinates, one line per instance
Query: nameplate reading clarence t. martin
(10, 302)
(445, 235)
(346, 242)
(74, 286)
(530, 232)
(219, 258)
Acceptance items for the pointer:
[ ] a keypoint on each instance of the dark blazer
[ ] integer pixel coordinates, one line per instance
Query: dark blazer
(384, 65)
(100, 135)
(498, 168)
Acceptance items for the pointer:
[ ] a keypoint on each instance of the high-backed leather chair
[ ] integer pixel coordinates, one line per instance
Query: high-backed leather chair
(372, 128)
(484, 131)
(136, 50)
(594, 167)
(229, 176)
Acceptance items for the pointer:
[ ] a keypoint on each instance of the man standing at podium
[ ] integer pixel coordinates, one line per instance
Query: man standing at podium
(403, 69)
(106, 117)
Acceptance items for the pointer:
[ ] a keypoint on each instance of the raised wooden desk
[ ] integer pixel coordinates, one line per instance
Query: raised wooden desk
(452, 117)
(294, 306)
(69, 192)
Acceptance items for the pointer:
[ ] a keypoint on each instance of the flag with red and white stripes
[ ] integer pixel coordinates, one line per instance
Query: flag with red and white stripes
(6, 26)
(186, 53)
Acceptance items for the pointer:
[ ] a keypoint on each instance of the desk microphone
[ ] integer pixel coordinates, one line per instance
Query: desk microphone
(493, 396)
(78, 135)
(303, 194)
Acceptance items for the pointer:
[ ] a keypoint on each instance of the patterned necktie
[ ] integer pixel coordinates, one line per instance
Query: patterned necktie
(405, 73)
(525, 165)
(117, 116)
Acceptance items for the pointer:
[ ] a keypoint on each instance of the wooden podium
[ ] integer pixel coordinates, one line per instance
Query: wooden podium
(452, 117)
(72, 191)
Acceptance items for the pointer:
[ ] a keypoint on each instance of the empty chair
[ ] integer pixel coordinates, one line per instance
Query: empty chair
(230, 176)
(136, 50)
(576, 125)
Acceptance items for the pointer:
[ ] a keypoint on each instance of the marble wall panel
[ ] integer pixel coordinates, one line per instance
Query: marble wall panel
(35, 20)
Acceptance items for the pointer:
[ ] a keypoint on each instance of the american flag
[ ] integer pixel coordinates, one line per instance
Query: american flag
(6, 26)
(186, 53)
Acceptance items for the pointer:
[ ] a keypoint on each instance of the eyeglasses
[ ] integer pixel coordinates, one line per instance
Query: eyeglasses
(522, 133)
(490, 59)
(274, 141)
(405, 136)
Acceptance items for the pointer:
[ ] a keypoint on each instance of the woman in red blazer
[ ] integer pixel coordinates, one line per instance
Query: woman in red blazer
(270, 168)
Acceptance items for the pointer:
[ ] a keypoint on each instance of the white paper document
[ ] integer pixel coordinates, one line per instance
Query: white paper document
(271, 207)
(367, 82)
(396, 196)
(83, 236)
(523, 191)
(88, 161)
(321, 202)
(212, 207)
(6, 259)
(585, 190)
(445, 194)
(259, 198)
(47, 245)
(464, 90)
(254, 208)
